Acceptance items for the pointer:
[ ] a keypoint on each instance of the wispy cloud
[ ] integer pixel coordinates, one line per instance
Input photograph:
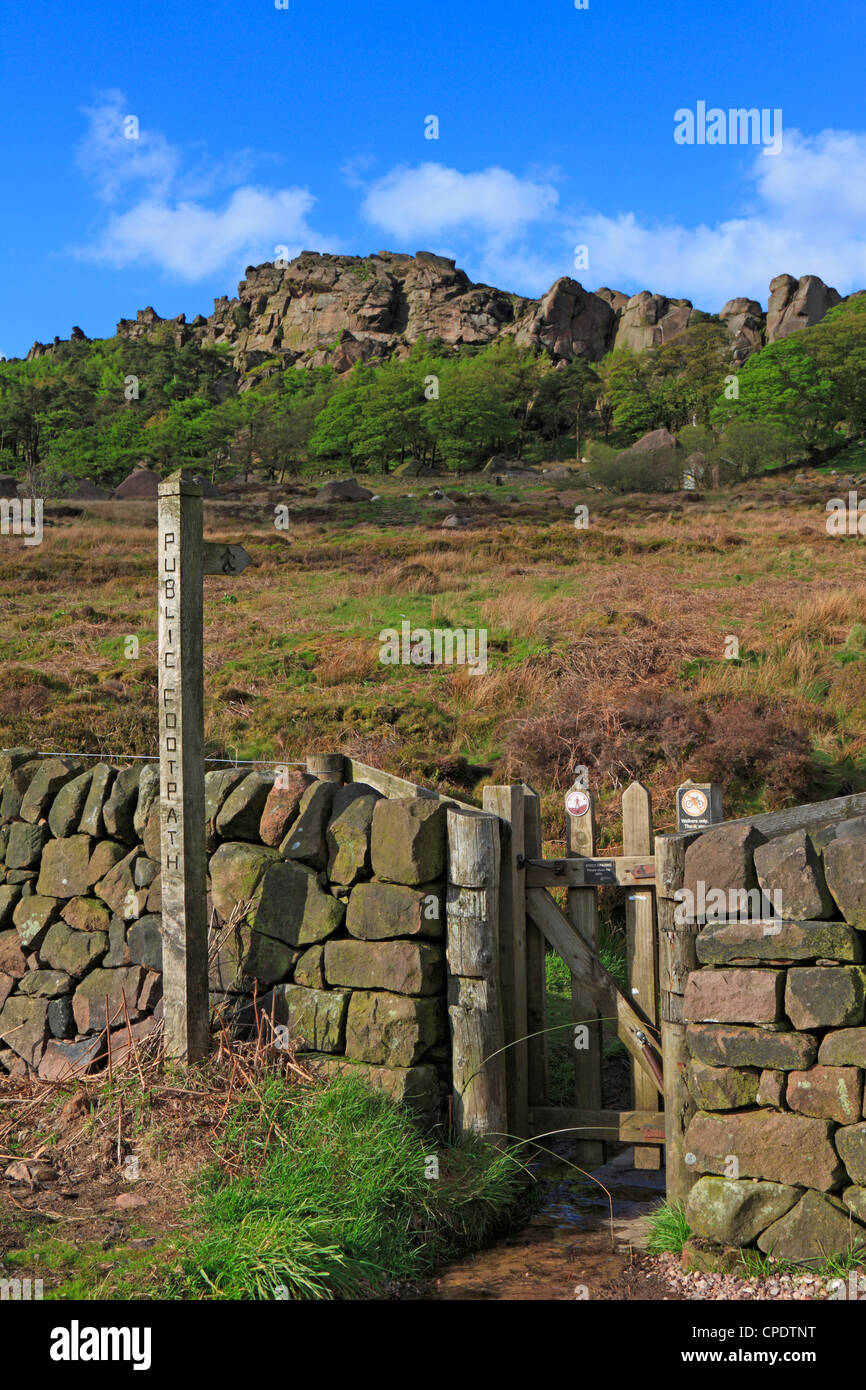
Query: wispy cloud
(164, 202)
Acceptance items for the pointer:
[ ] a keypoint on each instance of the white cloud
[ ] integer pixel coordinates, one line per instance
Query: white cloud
(167, 223)
(430, 200)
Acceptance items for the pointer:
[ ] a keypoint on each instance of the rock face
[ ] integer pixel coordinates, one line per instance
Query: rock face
(745, 321)
(797, 304)
(569, 322)
(141, 483)
(784, 1148)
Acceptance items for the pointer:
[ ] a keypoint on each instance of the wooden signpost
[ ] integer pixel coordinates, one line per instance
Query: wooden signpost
(184, 558)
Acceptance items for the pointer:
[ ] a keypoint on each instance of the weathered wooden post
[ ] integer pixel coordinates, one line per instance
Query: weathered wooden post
(507, 803)
(474, 996)
(582, 906)
(677, 957)
(328, 767)
(184, 558)
(536, 965)
(640, 914)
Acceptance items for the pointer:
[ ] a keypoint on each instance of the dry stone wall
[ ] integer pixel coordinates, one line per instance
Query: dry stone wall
(776, 1032)
(326, 906)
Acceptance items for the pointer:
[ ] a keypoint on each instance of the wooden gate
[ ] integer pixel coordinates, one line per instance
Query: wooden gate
(501, 1077)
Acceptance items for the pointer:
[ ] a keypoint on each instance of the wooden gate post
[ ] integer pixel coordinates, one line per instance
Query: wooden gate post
(328, 767)
(536, 968)
(677, 957)
(640, 917)
(581, 835)
(474, 997)
(181, 769)
(507, 804)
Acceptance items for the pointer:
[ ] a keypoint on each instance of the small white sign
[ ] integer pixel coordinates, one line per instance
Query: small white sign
(577, 802)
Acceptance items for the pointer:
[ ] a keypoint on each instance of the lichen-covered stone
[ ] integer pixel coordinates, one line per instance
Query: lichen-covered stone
(32, 917)
(392, 1029)
(86, 914)
(24, 1027)
(851, 1147)
(148, 797)
(734, 996)
(722, 859)
(766, 1144)
(722, 1088)
(242, 810)
(832, 1093)
(305, 840)
(771, 1089)
(104, 857)
(236, 871)
(408, 840)
(25, 845)
(217, 786)
(843, 867)
(734, 1212)
(789, 868)
(310, 969)
(9, 895)
(68, 805)
(14, 789)
(825, 996)
(144, 871)
(293, 907)
(817, 1228)
(144, 942)
(316, 1019)
(777, 939)
(348, 835)
(118, 812)
(855, 1200)
(12, 959)
(721, 1046)
(282, 806)
(378, 911)
(92, 821)
(118, 889)
(246, 956)
(72, 951)
(100, 985)
(45, 984)
(845, 1047)
(64, 868)
(49, 778)
(400, 967)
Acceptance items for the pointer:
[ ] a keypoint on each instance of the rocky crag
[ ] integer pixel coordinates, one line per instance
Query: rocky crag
(342, 310)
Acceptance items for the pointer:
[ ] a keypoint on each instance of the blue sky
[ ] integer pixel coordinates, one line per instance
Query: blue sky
(304, 127)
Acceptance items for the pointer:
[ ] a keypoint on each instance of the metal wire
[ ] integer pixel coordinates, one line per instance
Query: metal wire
(154, 758)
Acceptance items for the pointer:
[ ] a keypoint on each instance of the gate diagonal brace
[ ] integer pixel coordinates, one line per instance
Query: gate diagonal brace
(632, 1028)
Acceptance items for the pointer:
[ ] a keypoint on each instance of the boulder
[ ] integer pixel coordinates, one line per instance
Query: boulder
(744, 320)
(851, 1148)
(568, 322)
(315, 1018)
(722, 1088)
(113, 986)
(236, 871)
(831, 1093)
(118, 889)
(830, 996)
(400, 967)
(25, 844)
(348, 835)
(217, 786)
(72, 951)
(306, 839)
(140, 484)
(292, 907)
(45, 984)
(86, 915)
(92, 822)
(843, 868)
(772, 938)
(282, 806)
(63, 872)
(784, 1148)
(32, 917)
(846, 1047)
(68, 805)
(722, 860)
(408, 840)
(118, 812)
(796, 304)
(378, 911)
(733, 1212)
(343, 490)
(242, 809)
(24, 1027)
(790, 868)
(393, 1029)
(751, 1047)
(104, 857)
(817, 1228)
(648, 320)
(41, 791)
(749, 995)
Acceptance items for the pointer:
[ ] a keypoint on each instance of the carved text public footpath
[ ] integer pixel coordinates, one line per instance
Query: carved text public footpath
(169, 727)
